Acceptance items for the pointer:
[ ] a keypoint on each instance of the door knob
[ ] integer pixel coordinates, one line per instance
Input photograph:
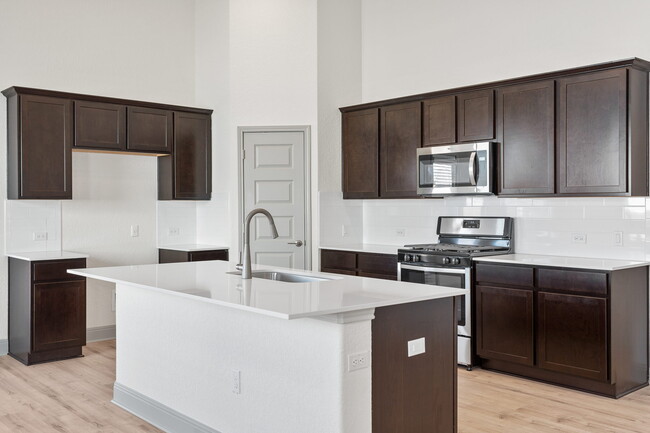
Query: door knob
(296, 243)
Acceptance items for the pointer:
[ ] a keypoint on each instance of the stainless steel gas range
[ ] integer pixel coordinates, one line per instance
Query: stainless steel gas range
(449, 263)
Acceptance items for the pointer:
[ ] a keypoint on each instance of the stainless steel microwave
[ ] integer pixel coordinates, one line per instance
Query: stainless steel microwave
(456, 169)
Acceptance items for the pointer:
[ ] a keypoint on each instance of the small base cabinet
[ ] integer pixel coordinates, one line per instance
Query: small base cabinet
(47, 310)
(582, 329)
(383, 266)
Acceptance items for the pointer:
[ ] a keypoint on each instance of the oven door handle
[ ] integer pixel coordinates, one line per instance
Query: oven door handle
(427, 269)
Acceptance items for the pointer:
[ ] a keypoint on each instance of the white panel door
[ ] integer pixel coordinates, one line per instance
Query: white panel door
(274, 179)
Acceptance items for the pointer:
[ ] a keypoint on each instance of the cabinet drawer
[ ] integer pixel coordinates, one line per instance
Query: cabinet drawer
(588, 283)
(507, 275)
(198, 256)
(56, 270)
(377, 263)
(338, 271)
(338, 259)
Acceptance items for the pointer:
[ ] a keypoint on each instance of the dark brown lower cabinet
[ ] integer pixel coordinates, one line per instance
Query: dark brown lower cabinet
(572, 334)
(383, 266)
(584, 329)
(507, 335)
(175, 256)
(47, 310)
(415, 394)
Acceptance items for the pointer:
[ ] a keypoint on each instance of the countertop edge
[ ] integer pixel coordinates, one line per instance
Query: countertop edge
(538, 260)
(364, 248)
(33, 256)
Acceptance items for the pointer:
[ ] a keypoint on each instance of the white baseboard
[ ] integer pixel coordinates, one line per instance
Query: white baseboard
(100, 333)
(155, 413)
(4, 347)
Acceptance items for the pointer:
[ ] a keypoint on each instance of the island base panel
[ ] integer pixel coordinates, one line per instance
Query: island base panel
(415, 394)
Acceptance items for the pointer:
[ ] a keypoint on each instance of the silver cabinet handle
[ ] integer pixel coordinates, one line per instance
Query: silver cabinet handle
(296, 243)
(472, 174)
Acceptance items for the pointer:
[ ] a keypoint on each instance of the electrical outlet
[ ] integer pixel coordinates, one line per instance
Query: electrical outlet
(135, 231)
(618, 239)
(174, 231)
(344, 230)
(416, 347)
(113, 300)
(579, 238)
(357, 361)
(400, 232)
(236, 382)
(39, 236)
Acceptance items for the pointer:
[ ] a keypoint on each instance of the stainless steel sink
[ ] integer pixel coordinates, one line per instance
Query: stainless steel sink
(283, 276)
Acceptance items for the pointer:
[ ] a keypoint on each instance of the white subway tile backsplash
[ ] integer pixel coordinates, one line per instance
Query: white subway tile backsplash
(23, 218)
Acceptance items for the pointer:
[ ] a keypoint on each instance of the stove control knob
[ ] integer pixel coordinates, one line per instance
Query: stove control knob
(446, 260)
(407, 257)
(415, 258)
(456, 261)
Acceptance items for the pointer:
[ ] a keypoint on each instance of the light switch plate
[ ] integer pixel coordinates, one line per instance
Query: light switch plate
(416, 347)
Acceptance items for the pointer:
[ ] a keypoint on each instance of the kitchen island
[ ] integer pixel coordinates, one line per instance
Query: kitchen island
(200, 349)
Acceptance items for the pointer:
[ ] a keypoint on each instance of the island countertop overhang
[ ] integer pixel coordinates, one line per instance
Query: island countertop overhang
(210, 282)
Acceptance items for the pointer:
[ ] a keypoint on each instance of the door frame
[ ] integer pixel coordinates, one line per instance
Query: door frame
(306, 132)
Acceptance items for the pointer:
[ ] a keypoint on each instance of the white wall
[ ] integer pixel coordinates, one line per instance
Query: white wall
(138, 50)
(417, 46)
(257, 67)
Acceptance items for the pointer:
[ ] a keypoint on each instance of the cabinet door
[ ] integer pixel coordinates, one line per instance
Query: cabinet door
(150, 130)
(504, 324)
(475, 115)
(59, 315)
(360, 150)
(572, 334)
(192, 156)
(99, 126)
(526, 135)
(399, 141)
(45, 170)
(592, 133)
(439, 121)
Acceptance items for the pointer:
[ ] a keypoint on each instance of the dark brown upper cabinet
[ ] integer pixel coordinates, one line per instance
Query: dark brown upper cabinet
(592, 159)
(475, 113)
(150, 130)
(439, 121)
(593, 148)
(39, 142)
(186, 174)
(400, 137)
(526, 136)
(99, 125)
(360, 154)
(45, 126)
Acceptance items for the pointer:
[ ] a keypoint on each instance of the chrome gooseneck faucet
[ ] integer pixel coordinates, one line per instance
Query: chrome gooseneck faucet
(246, 266)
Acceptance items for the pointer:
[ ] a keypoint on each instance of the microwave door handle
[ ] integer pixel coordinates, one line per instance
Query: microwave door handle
(472, 174)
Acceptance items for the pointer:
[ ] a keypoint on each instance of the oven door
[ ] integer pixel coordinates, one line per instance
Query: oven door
(448, 277)
(455, 169)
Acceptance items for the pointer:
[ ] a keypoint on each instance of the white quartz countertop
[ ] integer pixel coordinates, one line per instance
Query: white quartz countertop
(193, 247)
(364, 248)
(36, 256)
(209, 282)
(562, 261)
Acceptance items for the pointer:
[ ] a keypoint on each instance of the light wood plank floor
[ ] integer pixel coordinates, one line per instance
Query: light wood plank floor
(490, 402)
(74, 396)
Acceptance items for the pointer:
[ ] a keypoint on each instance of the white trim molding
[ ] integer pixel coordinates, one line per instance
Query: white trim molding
(4, 347)
(100, 333)
(155, 413)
